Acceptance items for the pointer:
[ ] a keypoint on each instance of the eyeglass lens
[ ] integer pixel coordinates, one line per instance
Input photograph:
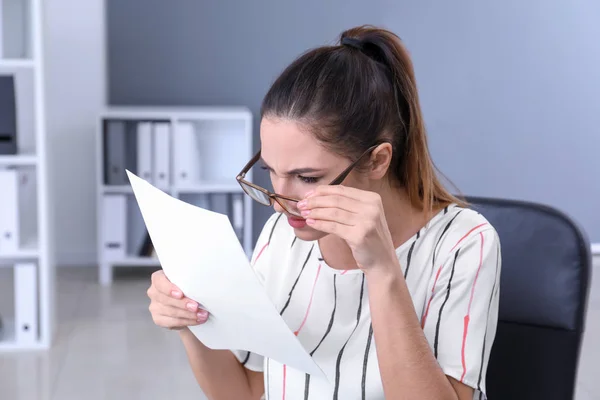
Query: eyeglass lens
(256, 194)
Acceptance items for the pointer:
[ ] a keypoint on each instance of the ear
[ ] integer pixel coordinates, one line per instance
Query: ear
(381, 158)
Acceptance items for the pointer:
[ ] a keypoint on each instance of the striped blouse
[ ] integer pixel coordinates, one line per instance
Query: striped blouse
(452, 269)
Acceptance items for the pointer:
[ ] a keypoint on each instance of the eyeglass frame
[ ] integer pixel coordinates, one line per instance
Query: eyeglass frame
(274, 196)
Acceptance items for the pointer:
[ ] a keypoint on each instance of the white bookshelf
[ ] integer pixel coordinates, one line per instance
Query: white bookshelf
(203, 162)
(19, 160)
(16, 63)
(29, 325)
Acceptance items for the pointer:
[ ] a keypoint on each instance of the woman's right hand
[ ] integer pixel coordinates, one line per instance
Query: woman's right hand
(170, 308)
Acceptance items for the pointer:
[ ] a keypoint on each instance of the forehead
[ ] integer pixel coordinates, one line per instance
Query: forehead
(286, 142)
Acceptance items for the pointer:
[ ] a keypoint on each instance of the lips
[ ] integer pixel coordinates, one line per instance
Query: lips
(296, 222)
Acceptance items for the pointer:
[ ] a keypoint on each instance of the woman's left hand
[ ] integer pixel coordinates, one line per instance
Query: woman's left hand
(356, 216)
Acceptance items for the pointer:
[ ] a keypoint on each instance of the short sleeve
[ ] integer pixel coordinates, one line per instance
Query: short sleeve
(259, 261)
(461, 317)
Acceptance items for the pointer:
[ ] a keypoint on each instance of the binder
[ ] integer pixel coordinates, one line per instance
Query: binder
(8, 115)
(237, 215)
(162, 152)
(9, 212)
(114, 230)
(187, 155)
(144, 151)
(26, 303)
(27, 203)
(221, 203)
(130, 148)
(115, 154)
(16, 27)
(201, 200)
(136, 229)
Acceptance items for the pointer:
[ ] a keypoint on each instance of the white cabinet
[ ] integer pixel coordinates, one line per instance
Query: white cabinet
(26, 246)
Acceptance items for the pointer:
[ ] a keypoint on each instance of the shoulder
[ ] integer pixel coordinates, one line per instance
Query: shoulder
(460, 226)
(463, 230)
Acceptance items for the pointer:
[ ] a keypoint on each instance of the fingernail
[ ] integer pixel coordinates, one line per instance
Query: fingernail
(309, 193)
(302, 204)
(305, 213)
(176, 293)
(192, 306)
(310, 221)
(202, 315)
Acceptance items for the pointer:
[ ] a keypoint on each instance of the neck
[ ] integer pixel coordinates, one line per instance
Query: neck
(403, 220)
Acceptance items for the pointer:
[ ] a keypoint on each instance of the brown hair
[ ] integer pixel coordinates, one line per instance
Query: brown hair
(357, 94)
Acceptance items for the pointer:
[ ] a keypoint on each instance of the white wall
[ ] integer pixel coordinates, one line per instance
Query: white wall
(75, 78)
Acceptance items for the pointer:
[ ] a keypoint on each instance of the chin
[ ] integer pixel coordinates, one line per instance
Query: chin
(309, 234)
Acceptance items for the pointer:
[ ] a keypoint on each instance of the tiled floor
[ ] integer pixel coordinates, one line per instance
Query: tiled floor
(108, 348)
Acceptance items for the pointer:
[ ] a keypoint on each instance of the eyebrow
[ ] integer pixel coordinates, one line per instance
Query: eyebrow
(295, 171)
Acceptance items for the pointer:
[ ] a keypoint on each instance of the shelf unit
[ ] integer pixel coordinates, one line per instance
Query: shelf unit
(203, 160)
(16, 63)
(30, 323)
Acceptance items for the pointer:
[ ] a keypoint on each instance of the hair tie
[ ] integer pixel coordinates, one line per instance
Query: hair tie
(352, 42)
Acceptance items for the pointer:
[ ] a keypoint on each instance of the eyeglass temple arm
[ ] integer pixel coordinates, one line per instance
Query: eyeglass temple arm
(347, 171)
(249, 165)
(342, 176)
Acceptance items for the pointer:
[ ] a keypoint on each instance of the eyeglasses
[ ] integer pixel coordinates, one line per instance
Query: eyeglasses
(266, 198)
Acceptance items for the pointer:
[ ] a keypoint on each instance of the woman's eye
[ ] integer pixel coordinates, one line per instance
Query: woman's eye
(308, 179)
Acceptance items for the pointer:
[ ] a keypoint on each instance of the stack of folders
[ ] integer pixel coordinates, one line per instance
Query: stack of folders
(142, 147)
(167, 156)
(123, 236)
(17, 213)
(232, 205)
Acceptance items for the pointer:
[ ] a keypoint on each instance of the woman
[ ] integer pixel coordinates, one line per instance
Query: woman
(388, 280)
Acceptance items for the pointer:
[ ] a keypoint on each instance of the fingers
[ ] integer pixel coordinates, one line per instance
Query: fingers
(342, 217)
(329, 227)
(169, 307)
(340, 190)
(171, 317)
(163, 291)
(330, 201)
(172, 322)
(174, 312)
(164, 285)
(182, 304)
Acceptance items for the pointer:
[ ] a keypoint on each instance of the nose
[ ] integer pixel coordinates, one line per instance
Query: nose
(284, 188)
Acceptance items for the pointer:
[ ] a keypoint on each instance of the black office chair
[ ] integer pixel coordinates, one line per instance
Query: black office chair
(546, 267)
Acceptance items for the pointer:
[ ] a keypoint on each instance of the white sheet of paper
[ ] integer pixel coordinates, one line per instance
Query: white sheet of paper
(201, 254)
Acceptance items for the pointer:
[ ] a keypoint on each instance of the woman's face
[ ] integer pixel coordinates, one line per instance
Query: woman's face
(297, 164)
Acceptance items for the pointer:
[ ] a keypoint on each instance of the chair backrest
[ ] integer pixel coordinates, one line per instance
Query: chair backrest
(544, 287)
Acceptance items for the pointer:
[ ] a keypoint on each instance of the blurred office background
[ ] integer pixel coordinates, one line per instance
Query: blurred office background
(509, 92)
